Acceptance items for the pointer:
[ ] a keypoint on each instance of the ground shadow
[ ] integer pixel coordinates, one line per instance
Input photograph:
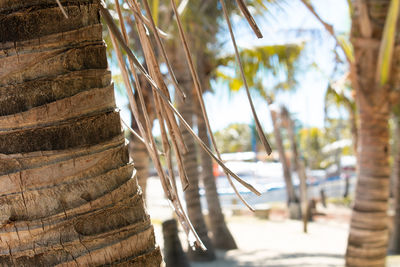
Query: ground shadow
(263, 258)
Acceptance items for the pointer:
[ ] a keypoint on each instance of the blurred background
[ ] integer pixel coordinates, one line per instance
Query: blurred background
(299, 77)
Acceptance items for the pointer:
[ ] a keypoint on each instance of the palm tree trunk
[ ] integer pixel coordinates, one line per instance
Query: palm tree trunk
(221, 236)
(140, 158)
(354, 136)
(67, 193)
(300, 169)
(395, 235)
(192, 196)
(137, 149)
(369, 223)
(292, 200)
(173, 252)
(368, 237)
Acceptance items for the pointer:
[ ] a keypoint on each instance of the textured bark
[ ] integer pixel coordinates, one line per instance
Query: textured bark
(299, 168)
(369, 223)
(68, 194)
(395, 235)
(137, 149)
(140, 158)
(192, 196)
(292, 200)
(221, 236)
(368, 238)
(173, 252)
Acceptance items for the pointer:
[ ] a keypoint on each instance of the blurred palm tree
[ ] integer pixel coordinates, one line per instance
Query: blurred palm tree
(279, 63)
(375, 81)
(203, 20)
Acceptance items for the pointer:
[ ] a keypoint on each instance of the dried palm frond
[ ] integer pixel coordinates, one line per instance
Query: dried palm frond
(246, 13)
(165, 110)
(62, 8)
(260, 132)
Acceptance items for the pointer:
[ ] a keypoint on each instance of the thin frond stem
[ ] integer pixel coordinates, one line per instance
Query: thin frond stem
(139, 137)
(146, 21)
(259, 129)
(246, 13)
(170, 105)
(62, 9)
(199, 94)
(166, 181)
(118, 36)
(136, 78)
(155, 71)
(162, 49)
(329, 29)
(143, 105)
(171, 194)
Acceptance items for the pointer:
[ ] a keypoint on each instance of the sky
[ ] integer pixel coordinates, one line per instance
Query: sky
(307, 102)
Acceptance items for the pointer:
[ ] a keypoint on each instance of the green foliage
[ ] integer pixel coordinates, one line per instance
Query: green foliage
(234, 138)
(311, 143)
(280, 61)
(339, 97)
(387, 44)
(346, 46)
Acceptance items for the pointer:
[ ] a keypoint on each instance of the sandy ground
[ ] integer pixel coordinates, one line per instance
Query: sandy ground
(281, 243)
(277, 241)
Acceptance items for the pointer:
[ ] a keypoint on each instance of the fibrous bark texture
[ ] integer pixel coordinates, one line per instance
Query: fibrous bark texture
(173, 252)
(221, 236)
(368, 238)
(395, 236)
(68, 194)
(192, 196)
(292, 200)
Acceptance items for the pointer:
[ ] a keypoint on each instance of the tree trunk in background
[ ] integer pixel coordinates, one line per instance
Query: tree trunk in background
(354, 138)
(173, 252)
(192, 196)
(67, 192)
(300, 169)
(395, 235)
(292, 200)
(221, 236)
(140, 158)
(369, 223)
(137, 149)
(368, 238)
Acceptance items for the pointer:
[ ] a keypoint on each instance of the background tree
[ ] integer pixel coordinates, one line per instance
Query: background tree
(276, 61)
(234, 138)
(373, 79)
(298, 164)
(394, 246)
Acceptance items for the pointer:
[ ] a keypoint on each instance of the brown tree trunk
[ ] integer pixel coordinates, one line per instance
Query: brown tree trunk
(354, 135)
(292, 200)
(173, 252)
(221, 236)
(368, 238)
(299, 168)
(395, 235)
(192, 196)
(369, 223)
(67, 193)
(137, 149)
(140, 158)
